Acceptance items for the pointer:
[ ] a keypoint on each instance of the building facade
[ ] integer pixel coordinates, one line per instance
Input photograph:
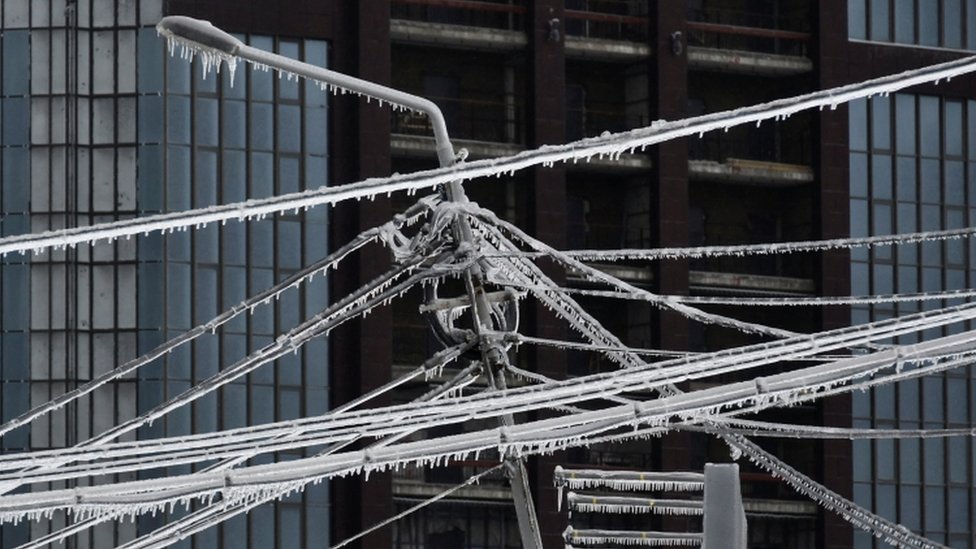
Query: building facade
(100, 123)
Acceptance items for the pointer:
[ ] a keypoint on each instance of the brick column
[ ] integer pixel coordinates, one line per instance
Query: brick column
(832, 199)
(668, 90)
(547, 215)
(362, 352)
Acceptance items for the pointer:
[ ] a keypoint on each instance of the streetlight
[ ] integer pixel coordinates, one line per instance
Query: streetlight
(215, 45)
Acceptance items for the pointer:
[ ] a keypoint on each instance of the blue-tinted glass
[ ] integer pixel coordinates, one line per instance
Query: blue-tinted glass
(971, 27)
(290, 527)
(859, 279)
(262, 403)
(262, 243)
(16, 301)
(911, 505)
(955, 183)
(262, 82)
(931, 182)
(958, 511)
(909, 464)
(952, 21)
(859, 175)
(856, 20)
(178, 179)
(205, 292)
(958, 403)
(958, 459)
(236, 88)
(234, 123)
(178, 119)
(316, 131)
(905, 124)
(16, 180)
(931, 279)
(289, 169)
(262, 320)
(205, 412)
(263, 526)
(149, 69)
(288, 88)
(971, 132)
(262, 126)
(150, 119)
(289, 245)
(290, 404)
(881, 123)
(881, 177)
(16, 62)
(234, 245)
(206, 359)
(929, 126)
(289, 128)
(885, 501)
(149, 169)
(859, 217)
(235, 531)
(884, 459)
(908, 401)
(881, 224)
(934, 510)
(177, 75)
(206, 122)
(288, 317)
(884, 399)
(317, 173)
(234, 287)
(932, 397)
(262, 175)
(315, 242)
(905, 177)
(905, 21)
(953, 128)
(880, 21)
(178, 295)
(234, 177)
(15, 121)
(883, 284)
(316, 370)
(928, 26)
(150, 295)
(858, 125)
(234, 405)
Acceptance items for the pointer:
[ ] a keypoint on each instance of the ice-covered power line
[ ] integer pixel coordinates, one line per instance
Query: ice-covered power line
(789, 430)
(612, 145)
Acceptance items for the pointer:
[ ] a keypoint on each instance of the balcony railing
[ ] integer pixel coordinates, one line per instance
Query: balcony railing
(495, 121)
(607, 19)
(767, 143)
(492, 14)
(454, 472)
(582, 123)
(748, 31)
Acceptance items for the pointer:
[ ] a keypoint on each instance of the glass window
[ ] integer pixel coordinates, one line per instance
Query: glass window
(881, 177)
(859, 175)
(856, 19)
(880, 21)
(858, 125)
(928, 26)
(929, 130)
(881, 123)
(16, 62)
(910, 504)
(905, 21)
(954, 128)
(952, 21)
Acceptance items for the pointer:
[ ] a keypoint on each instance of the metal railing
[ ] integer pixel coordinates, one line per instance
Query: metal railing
(493, 14)
(497, 121)
(767, 143)
(607, 19)
(748, 31)
(582, 123)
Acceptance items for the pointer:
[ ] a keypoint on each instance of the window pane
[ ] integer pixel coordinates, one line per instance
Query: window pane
(859, 175)
(881, 177)
(879, 20)
(953, 128)
(856, 21)
(881, 123)
(928, 26)
(858, 128)
(929, 126)
(905, 21)
(905, 176)
(952, 23)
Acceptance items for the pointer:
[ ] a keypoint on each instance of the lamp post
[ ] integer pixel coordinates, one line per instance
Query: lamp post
(216, 45)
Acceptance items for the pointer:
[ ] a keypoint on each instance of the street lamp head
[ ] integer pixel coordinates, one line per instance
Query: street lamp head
(198, 34)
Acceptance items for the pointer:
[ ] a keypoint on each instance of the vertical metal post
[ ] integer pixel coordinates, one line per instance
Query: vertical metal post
(725, 518)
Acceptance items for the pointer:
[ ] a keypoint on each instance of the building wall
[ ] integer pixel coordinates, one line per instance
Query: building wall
(912, 169)
(100, 123)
